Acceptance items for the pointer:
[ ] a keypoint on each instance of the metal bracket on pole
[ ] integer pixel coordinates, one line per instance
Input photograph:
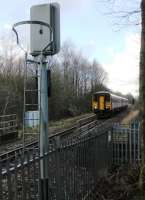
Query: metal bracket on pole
(35, 23)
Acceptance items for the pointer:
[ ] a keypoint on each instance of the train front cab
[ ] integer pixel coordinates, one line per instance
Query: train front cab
(101, 104)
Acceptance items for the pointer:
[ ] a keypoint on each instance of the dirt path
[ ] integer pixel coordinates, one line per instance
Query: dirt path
(131, 115)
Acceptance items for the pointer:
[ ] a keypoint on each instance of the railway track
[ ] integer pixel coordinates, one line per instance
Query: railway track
(81, 125)
(18, 171)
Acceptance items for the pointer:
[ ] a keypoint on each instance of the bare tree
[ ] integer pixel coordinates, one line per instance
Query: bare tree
(73, 75)
(98, 76)
(11, 76)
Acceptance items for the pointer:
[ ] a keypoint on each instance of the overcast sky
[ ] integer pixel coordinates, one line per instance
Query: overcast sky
(85, 23)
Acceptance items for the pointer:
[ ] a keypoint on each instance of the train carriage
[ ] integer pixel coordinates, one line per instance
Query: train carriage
(105, 103)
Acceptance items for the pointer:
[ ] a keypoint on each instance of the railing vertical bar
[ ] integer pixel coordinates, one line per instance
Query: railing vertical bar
(118, 156)
(124, 141)
(9, 184)
(29, 179)
(57, 167)
(75, 167)
(121, 138)
(138, 134)
(22, 159)
(65, 168)
(130, 144)
(64, 171)
(85, 166)
(79, 158)
(112, 147)
(68, 159)
(126, 147)
(88, 171)
(119, 149)
(134, 143)
(1, 180)
(15, 179)
(34, 174)
(93, 159)
(115, 145)
(82, 156)
(71, 169)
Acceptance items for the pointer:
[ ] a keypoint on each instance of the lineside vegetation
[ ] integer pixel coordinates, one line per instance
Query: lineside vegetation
(74, 79)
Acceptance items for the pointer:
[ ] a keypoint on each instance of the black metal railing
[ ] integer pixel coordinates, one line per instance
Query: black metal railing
(73, 166)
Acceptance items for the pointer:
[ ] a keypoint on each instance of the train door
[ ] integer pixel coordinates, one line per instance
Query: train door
(101, 102)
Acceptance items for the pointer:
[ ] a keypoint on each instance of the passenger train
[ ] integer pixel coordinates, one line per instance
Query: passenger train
(104, 104)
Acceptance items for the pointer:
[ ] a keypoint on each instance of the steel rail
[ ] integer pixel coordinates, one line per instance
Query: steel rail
(64, 133)
(27, 161)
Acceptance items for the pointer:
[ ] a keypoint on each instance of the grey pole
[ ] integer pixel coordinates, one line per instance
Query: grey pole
(43, 103)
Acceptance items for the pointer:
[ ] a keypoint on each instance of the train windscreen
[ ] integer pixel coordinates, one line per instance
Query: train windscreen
(107, 96)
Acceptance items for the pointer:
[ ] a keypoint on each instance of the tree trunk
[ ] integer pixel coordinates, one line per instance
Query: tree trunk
(142, 101)
(142, 80)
